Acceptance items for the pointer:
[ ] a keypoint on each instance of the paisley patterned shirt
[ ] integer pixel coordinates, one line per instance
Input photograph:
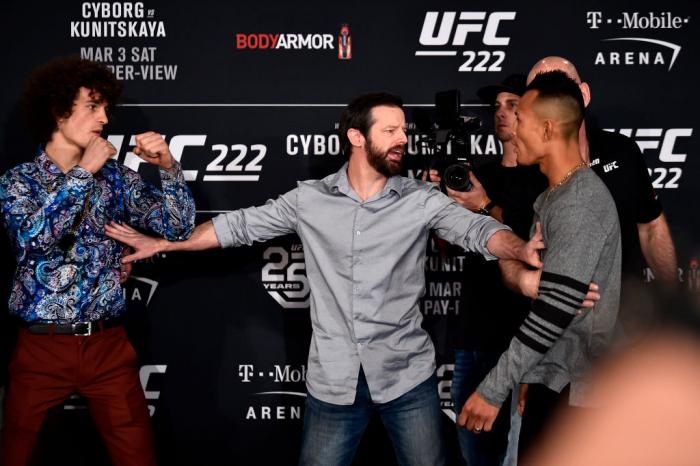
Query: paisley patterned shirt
(67, 268)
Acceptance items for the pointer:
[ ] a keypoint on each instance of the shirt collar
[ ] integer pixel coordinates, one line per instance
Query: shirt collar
(395, 183)
(47, 168)
(340, 183)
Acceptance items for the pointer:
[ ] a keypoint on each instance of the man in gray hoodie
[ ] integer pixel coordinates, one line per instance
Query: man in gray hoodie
(576, 217)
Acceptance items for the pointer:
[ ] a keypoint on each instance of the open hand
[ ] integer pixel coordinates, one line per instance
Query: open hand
(531, 250)
(144, 246)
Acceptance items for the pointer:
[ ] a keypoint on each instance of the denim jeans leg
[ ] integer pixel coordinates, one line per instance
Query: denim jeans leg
(487, 448)
(511, 458)
(414, 424)
(332, 433)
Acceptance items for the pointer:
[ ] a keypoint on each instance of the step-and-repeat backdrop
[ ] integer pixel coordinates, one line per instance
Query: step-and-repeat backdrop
(248, 95)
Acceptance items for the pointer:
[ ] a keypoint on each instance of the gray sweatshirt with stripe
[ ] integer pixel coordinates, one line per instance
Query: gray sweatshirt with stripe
(554, 346)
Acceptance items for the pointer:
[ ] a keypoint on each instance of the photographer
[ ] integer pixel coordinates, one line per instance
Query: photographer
(484, 329)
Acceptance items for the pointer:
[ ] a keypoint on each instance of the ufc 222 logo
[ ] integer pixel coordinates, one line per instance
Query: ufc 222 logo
(284, 276)
(226, 162)
(668, 145)
(445, 34)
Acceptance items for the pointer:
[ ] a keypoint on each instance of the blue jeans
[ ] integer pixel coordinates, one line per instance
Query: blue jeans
(516, 420)
(332, 433)
(486, 448)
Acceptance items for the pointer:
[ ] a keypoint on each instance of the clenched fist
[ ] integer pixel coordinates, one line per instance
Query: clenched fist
(96, 154)
(152, 148)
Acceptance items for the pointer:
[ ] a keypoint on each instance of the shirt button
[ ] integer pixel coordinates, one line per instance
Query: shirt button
(358, 232)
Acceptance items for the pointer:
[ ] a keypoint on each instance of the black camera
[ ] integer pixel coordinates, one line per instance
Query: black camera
(444, 140)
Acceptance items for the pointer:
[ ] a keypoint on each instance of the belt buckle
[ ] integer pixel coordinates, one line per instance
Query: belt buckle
(75, 325)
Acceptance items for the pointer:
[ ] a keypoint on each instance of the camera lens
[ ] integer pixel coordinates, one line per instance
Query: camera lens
(457, 177)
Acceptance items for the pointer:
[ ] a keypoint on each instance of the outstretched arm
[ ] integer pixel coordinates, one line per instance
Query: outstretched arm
(477, 233)
(277, 217)
(145, 246)
(505, 244)
(519, 278)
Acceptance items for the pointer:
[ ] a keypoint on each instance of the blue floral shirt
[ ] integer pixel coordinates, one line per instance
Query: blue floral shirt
(67, 268)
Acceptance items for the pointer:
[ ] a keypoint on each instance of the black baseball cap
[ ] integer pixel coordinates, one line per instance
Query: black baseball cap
(515, 84)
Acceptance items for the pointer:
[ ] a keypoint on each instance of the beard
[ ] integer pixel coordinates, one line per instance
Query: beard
(379, 160)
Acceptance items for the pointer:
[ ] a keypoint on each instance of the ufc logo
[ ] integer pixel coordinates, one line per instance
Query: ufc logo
(469, 21)
(177, 146)
(610, 166)
(651, 138)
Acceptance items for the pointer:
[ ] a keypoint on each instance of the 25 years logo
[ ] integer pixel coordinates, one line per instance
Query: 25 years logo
(284, 276)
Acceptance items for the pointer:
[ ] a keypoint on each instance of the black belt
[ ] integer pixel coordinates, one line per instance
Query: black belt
(72, 328)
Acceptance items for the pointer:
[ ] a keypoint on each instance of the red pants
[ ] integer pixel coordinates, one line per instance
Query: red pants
(46, 370)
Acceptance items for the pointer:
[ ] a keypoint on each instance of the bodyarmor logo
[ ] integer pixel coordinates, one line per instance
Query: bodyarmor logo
(453, 32)
(277, 41)
(284, 276)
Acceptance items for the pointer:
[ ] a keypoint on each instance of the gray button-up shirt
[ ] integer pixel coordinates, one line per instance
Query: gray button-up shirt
(365, 265)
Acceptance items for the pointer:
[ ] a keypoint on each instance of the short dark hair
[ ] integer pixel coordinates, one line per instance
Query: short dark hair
(556, 85)
(357, 114)
(52, 88)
